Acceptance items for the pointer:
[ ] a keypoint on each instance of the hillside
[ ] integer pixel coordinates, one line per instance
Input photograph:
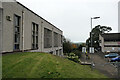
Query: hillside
(43, 65)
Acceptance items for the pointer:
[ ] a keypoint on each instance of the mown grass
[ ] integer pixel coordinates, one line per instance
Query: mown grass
(43, 65)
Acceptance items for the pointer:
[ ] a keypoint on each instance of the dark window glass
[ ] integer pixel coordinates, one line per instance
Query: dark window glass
(47, 38)
(17, 32)
(35, 36)
(111, 45)
(16, 46)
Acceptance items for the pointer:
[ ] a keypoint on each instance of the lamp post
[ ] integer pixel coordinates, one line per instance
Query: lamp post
(91, 31)
(92, 64)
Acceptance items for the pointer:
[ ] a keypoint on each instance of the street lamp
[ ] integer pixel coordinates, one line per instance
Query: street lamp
(95, 17)
(91, 30)
(92, 64)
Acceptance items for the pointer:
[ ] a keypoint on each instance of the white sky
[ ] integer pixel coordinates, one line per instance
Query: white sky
(73, 16)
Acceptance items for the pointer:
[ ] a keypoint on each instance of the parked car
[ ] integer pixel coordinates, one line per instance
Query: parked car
(111, 55)
(107, 52)
(116, 59)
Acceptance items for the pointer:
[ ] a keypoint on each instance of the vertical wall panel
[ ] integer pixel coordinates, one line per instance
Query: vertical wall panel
(0, 43)
(0, 30)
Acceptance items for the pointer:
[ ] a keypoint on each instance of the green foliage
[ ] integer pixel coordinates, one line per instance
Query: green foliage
(80, 46)
(67, 47)
(77, 53)
(95, 35)
(73, 57)
(71, 54)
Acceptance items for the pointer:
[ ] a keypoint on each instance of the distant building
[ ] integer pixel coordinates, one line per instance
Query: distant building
(21, 29)
(110, 42)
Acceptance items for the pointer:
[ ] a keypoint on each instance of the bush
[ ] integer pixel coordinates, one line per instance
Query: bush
(71, 54)
(73, 57)
(77, 53)
(76, 59)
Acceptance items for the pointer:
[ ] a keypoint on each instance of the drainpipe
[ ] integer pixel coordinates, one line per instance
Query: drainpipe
(22, 31)
(41, 35)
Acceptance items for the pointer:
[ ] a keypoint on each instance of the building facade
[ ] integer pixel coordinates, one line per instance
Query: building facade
(110, 42)
(21, 29)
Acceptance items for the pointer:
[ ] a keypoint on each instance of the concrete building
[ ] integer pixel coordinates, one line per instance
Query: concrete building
(21, 29)
(110, 42)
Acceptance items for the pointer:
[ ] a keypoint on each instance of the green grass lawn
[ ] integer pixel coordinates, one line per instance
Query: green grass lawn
(43, 65)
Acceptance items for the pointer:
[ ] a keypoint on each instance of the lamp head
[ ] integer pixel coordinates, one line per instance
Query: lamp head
(95, 17)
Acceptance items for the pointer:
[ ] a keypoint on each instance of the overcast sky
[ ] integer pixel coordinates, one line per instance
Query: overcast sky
(73, 16)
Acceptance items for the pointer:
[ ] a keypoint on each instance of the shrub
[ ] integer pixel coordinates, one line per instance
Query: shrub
(73, 57)
(77, 53)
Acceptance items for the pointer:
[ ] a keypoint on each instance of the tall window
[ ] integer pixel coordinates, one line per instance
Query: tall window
(35, 30)
(61, 40)
(47, 38)
(55, 39)
(17, 33)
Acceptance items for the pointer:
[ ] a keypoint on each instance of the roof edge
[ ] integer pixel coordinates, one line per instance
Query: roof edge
(37, 15)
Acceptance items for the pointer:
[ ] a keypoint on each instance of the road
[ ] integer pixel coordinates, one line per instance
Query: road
(102, 65)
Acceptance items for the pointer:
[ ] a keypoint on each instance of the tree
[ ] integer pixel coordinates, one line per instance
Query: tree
(95, 35)
(74, 46)
(104, 29)
(67, 47)
(80, 46)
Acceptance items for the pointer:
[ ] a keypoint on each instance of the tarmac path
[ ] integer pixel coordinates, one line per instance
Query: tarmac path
(102, 64)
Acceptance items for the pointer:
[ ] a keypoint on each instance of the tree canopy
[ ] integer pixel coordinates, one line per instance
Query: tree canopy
(67, 47)
(95, 35)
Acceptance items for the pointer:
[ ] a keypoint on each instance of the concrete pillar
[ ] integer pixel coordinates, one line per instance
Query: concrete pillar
(1, 29)
(42, 37)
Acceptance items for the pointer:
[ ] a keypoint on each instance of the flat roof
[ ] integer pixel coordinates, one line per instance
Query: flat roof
(111, 36)
(37, 15)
